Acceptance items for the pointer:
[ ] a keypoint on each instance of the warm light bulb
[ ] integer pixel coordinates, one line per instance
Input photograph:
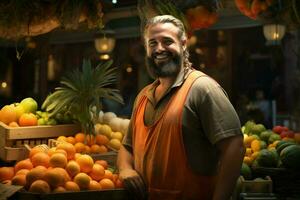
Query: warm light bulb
(3, 84)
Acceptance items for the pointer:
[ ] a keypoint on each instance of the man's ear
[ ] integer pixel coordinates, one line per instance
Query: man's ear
(184, 43)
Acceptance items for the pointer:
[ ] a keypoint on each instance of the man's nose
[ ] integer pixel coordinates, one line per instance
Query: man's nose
(160, 47)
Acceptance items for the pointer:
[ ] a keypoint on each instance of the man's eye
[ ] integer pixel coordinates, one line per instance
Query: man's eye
(168, 42)
(152, 44)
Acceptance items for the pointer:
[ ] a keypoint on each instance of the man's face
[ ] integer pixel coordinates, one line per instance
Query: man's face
(164, 50)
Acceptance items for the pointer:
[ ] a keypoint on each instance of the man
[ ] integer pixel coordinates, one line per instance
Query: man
(184, 139)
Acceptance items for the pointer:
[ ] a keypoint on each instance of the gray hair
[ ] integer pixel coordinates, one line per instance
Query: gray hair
(162, 19)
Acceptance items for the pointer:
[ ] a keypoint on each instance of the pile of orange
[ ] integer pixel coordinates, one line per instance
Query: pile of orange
(60, 169)
(89, 144)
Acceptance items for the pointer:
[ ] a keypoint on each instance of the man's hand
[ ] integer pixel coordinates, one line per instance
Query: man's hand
(134, 183)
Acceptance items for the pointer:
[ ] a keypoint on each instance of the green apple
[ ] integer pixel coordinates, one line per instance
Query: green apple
(29, 105)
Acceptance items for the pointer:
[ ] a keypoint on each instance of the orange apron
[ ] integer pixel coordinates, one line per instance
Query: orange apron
(159, 154)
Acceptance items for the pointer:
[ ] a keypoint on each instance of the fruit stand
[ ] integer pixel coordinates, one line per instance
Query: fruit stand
(274, 154)
(54, 159)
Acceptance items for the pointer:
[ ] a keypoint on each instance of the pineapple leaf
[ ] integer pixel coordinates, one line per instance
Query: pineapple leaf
(80, 90)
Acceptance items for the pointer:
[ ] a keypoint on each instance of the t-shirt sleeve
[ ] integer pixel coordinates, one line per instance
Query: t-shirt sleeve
(216, 114)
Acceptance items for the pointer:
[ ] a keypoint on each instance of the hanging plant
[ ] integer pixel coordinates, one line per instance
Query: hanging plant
(19, 18)
(195, 14)
(269, 11)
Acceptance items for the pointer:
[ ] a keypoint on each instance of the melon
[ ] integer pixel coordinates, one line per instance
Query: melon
(290, 156)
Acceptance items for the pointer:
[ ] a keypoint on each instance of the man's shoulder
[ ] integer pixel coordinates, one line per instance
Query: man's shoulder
(204, 81)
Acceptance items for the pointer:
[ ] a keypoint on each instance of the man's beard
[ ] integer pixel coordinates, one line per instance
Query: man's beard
(171, 68)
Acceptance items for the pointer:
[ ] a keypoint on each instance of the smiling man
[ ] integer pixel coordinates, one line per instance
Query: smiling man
(184, 139)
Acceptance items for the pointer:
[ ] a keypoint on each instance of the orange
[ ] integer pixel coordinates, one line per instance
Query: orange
(19, 179)
(72, 168)
(97, 172)
(35, 174)
(247, 160)
(101, 139)
(87, 149)
(22, 171)
(40, 158)
(58, 160)
(72, 186)
(79, 137)
(40, 186)
(95, 148)
(118, 183)
(61, 151)
(79, 147)
(255, 145)
(90, 140)
(51, 151)
(77, 155)
(85, 162)
(94, 185)
(13, 124)
(69, 148)
(107, 184)
(71, 140)
(103, 149)
(108, 174)
(6, 173)
(28, 119)
(8, 114)
(37, 149)
(62, 138)
(63, 173)
(82, 180)
(54, 177)
(23, 164)
(59, 189)
(103, 163)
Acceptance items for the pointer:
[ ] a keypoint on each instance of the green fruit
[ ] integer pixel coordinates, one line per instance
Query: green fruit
(265, 135)
(257, 129)
(282, 144)
(29, 105)
(266, 158)
(248, 126)
(41, 121)
(51, 121)
(263, 144)
(273, 137)
(246, 171)
(290, 156)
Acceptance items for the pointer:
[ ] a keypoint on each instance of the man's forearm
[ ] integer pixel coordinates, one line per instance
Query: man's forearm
(229, 170)
(124, 160)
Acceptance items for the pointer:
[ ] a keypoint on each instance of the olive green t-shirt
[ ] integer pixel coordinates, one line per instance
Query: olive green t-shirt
(208, 117)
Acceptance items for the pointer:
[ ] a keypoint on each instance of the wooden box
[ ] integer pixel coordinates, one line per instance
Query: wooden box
(13, 138)
(115, 194)
(258, 186)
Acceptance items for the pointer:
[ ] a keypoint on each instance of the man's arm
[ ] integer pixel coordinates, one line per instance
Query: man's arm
(130, 178)
(232, 153)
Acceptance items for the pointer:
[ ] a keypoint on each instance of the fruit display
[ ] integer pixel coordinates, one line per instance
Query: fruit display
(25, 113)
(276, 148)
(60, 169)
(109, 132)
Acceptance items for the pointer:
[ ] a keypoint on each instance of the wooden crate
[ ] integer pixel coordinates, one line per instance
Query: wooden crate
(13, 138)
(252, 186)
(114, 194)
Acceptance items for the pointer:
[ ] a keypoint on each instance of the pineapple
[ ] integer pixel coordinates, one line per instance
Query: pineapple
(80, 93)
